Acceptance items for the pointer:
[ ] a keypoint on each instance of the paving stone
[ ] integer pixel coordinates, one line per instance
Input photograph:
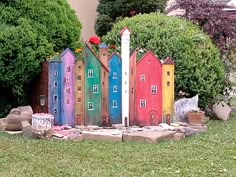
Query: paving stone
(178, 136)
(115, 136)
(200, 128)
(148, 136)
(154, 128)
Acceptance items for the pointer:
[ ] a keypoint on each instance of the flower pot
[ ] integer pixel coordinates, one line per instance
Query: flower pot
(195, 118)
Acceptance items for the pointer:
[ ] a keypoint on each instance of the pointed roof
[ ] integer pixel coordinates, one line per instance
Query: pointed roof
(125, 29)
(103, 46)
(91, 50)
(147, 53)
(168, 61)
(67, 50)
(113, 54)
(55, 58)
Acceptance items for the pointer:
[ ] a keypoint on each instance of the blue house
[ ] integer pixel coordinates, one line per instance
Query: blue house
(115, 86)
(54, 89)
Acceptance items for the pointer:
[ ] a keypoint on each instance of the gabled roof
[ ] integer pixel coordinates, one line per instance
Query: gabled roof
(147, 53)
(168, 61)
(103, 46)
(124, 29)
(67, 50)
(104, 66)
(114, 53)
(55, 58)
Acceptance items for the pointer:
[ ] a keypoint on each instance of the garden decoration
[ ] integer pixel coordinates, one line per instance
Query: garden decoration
(195, 116)
(91, 89)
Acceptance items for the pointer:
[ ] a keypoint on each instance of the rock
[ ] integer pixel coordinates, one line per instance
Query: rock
(27, 130)
(178, 136)
(114, 136)
(44, 134)
(222, 110)
(189, 131)
(3, 124)
(148, 136)
(81, 127)
(76, 137)
(16, 116)
(183, 106)
(200, 128)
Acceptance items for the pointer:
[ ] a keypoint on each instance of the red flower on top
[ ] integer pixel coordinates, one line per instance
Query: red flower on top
(94, 40)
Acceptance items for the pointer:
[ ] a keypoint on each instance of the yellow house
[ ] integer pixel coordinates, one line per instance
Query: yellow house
(168, 90)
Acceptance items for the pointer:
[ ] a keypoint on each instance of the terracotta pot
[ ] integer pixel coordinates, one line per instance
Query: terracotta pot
(195, 118)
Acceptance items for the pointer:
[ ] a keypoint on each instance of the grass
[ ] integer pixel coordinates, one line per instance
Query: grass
(205, 155)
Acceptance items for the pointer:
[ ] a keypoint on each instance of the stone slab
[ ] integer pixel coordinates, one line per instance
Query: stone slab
(178, 136)
(148, 136)
(108, 135)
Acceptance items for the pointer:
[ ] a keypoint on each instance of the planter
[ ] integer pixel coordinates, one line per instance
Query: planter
(195, 118)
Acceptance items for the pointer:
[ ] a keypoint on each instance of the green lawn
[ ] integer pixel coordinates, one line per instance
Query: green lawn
(210, 154)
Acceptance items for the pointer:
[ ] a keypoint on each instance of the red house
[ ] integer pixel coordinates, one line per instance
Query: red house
(148, 90)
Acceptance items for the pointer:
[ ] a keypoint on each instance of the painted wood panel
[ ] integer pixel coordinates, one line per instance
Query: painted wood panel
(92, 88)
(168, 90)
(67, 89)
(54, 88)
(132, 75)
(115, 89)
(103, 56)
(148, 90)
(79, 92)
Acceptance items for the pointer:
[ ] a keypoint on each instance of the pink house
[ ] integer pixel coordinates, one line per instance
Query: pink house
(148, 91)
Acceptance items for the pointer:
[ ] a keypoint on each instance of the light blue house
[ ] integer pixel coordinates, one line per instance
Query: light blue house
(115, 86)
(54, 89)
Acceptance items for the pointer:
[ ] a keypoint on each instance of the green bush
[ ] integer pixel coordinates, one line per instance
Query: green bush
(198, 68)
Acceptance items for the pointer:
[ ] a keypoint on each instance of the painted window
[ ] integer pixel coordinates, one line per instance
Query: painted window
(153, 89)
(142, 77)
(55, 98)
(168, 73)
(55, 110)
(66, 80)
(168, 83)
(114, 88)
(67, 101)
(79, 77)
(79, 89)
(67, 90)
(142, 103)
(55, 73)
(95, 88)
(55, 84)
(90, 73)
(114, 104)
(90, 106)
(114, 76)
(79, 100)
(67, 68)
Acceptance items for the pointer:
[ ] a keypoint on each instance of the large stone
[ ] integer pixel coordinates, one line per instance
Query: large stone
(178, 136)
(3, 124)
(27, 130)
(222, 110)
(16, 116)
(114, 135)
(148, 136)
(183, 106)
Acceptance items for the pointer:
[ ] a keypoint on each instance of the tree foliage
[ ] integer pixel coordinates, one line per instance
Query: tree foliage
(199, 69)
(111, 10)
(31, 31)
(219, 24)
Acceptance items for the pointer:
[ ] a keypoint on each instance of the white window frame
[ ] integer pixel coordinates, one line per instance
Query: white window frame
(67, 80)
(143, 104)
(114, 75)
(90, 105)
(90, 73)
(114, 104)
(142, 77)
(153, 89)
(95, 88)
(114, 88)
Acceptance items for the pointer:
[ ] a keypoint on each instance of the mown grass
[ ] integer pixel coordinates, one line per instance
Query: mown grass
(205, 155)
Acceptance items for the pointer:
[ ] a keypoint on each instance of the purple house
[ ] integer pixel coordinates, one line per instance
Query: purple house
(67, 88)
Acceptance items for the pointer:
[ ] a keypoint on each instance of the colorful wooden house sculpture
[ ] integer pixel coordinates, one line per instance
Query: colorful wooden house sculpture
(54, 89)
(148, 90)
(168, 90)
(103, 90)
(79, 91)
(115, 89)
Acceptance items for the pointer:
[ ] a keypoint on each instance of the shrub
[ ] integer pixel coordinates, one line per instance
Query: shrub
(198, 68)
